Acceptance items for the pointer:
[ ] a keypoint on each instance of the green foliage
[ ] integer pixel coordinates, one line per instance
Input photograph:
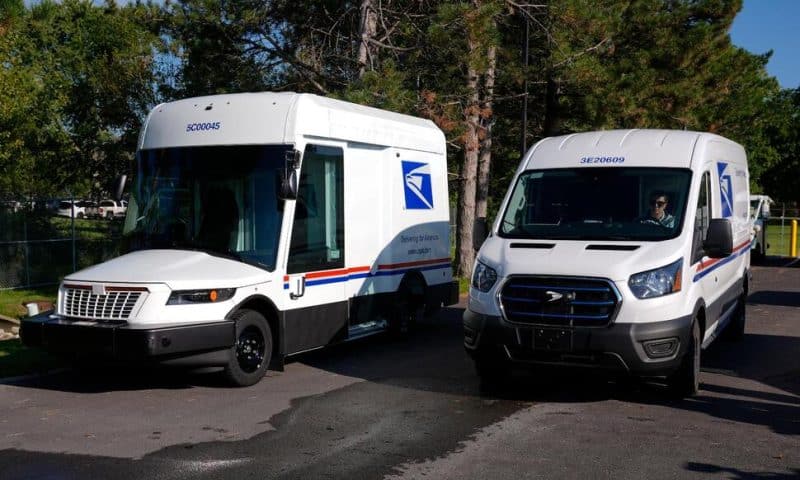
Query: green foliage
(77, 78)
(781, 180)
(77, 81)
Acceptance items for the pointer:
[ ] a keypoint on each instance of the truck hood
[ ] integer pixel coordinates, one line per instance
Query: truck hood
(603, 259)
(178, 269)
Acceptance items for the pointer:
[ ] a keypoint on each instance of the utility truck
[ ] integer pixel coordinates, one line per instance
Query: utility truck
(625, 250)
(262, 225)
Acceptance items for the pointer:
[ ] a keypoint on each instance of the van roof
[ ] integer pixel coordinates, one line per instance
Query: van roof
(282, 118)
(636, 147)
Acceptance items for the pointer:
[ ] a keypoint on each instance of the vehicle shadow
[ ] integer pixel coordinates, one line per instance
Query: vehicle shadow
(776, 298)
(737, 474)
(433, 359)
(119, 378)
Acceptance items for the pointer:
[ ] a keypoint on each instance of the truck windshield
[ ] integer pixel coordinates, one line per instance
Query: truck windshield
(218, 199)
(597, 204)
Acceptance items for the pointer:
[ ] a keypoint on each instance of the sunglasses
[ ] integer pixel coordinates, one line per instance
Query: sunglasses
(658, 203)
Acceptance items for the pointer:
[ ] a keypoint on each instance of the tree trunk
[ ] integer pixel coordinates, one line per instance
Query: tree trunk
(552, 120)
(485, 160)
(369, 24)
(466, 207)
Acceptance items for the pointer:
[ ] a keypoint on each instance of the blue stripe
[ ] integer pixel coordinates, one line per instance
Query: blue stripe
(719, 264)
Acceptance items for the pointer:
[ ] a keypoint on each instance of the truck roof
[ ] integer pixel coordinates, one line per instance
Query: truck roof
(636, 147)
(282, 118)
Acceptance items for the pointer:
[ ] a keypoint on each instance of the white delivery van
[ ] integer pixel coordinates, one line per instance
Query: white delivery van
(626, 250)
(262, 225)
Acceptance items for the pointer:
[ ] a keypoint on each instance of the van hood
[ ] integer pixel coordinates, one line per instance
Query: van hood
(613, 260)
(178, 269)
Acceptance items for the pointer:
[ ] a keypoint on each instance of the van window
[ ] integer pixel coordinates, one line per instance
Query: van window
(318, 228)
(702, 218)
(597, 204)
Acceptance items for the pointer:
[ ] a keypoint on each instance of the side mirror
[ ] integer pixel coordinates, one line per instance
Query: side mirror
(119, 187)
(480, 230)
(287, 190)
(719, 238)
(765, 209)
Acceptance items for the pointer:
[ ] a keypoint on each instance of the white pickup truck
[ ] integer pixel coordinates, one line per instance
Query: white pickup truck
(108, 209)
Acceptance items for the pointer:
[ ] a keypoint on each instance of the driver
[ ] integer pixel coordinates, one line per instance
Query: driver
(658, 211)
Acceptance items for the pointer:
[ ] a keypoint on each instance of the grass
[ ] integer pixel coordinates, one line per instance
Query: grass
(12, 301)
(16, 359)
(779, 239)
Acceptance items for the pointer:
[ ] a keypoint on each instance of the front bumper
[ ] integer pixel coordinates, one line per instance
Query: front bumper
(121, 341)
(618, 347)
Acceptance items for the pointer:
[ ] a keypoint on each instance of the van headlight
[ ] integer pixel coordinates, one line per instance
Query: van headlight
(484, 277)
(657, 282)
(190, 297)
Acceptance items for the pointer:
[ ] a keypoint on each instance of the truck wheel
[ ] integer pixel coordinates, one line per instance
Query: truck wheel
(410, 310)
(110, 216)
(250, 355)
(685, 382)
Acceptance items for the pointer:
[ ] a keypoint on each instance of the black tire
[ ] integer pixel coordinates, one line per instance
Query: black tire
(735, 329)
(409, 311)
(492, 368)
(250, 355)
(110, 216)
(685, 382)
(80, 215)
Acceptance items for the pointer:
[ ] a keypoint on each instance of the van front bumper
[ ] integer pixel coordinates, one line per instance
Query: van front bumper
(120, 341)
(651, 349)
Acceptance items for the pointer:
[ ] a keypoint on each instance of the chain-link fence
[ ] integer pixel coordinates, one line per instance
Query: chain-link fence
(42, 240)
(779, 228)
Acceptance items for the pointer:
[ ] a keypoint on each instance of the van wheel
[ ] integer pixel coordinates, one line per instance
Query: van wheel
(250, 355)
(685, 382)
(735, 329)
(493, 370)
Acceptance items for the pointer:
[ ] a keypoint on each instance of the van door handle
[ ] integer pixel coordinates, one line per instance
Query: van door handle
(301, 289)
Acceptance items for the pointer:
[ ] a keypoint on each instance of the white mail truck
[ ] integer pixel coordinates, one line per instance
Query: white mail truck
(626, 250)
(262, 225)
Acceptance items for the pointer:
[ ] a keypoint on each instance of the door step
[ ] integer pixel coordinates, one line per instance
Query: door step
(366, 329)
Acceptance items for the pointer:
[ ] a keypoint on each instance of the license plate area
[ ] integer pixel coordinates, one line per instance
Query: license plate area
(552, 339)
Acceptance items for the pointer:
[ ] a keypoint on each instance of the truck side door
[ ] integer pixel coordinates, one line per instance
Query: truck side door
(316, 278)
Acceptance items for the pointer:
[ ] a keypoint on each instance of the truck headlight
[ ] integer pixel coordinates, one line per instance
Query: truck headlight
(189, 297)
(483, 278)
(658, 282)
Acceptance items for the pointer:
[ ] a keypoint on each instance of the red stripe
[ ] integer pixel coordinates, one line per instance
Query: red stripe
(703, 265)
(413, 264)
(331, 273)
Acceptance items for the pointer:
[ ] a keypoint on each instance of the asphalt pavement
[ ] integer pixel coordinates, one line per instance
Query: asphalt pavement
(414, 408)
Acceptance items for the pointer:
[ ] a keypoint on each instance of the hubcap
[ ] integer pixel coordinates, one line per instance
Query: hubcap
(250, 349)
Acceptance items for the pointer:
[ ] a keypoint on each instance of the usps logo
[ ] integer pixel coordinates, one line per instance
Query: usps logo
(417, 185)
(725, 189)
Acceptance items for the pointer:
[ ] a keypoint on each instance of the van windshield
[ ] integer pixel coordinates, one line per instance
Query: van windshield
(218, 199)
(597, 204)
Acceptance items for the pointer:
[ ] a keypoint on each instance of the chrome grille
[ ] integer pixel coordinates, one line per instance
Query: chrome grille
(559, 301)
(113, 305)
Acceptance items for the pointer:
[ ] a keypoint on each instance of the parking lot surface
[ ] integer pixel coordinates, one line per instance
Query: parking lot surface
(414, 408)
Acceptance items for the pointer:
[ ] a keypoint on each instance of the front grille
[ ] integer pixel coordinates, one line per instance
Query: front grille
(113, 305)
(559, 301)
